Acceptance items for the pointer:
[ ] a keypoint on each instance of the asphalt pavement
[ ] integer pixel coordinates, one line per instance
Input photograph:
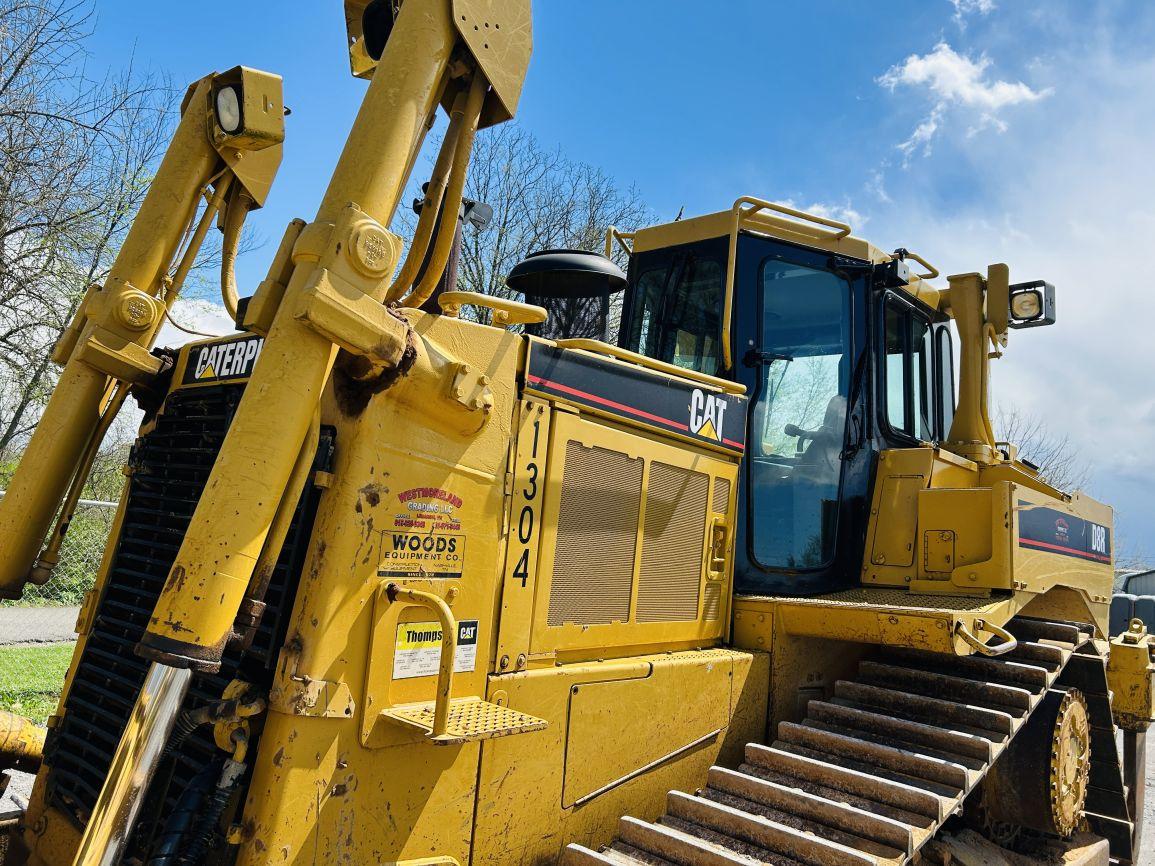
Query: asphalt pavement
(25, 625)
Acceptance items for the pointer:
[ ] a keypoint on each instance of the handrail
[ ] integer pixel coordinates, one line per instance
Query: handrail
(1007, 641)
(444, 615)
(506, 312)
(758, 204)
(932, 271)
(741, 215)
(600, 348)
(612, 234)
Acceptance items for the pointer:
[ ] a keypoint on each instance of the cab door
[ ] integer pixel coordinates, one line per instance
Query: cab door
(801, 352)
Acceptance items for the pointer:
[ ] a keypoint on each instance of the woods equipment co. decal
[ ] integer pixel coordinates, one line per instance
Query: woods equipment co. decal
(222, 362)
(426, 539)
(1056, 531)
(418, 649)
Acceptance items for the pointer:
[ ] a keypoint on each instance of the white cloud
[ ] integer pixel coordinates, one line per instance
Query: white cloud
(922, 136)
(1067, 200)
(957, 82)
(955, 78)
(876, 185)
(198, 315)
(962, 8)
(843, 212)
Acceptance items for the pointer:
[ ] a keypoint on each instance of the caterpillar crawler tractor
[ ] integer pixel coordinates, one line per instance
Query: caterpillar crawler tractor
(390, 584)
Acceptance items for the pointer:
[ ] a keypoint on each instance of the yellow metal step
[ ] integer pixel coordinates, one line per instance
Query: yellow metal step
(470, 719)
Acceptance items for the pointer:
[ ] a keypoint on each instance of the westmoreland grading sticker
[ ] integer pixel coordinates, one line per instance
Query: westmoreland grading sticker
(426, 539)
(418, 649)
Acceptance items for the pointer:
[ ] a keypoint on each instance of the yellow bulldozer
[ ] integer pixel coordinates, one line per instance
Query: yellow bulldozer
(404, 574)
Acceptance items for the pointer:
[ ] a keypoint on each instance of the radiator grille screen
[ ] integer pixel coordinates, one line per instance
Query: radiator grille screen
(596, 536)
(171, 466)
(672, 545)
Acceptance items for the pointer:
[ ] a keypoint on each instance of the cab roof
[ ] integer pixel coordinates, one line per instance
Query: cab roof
(755, 216)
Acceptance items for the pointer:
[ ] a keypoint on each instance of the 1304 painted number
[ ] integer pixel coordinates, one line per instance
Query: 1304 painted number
(527, 519)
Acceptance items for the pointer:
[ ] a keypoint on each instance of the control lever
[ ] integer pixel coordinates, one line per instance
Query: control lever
(803, 435)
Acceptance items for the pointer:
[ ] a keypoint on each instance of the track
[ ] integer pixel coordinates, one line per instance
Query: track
(872, 773)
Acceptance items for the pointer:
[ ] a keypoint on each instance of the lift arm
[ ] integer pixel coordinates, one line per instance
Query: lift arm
(115, 326)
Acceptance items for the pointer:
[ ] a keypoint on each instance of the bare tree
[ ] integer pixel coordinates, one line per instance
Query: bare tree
(76, 154)
(541, 199)
(1058, 461)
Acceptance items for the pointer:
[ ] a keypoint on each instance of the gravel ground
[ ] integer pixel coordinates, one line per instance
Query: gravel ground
(19, 790)
(1148, 857)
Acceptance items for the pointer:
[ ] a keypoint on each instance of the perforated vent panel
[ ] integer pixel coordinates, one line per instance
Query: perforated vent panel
(721, 499)
(713, 602)
(672, 544)
(596, 536)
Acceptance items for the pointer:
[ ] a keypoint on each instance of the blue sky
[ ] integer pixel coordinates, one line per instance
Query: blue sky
(972, 131)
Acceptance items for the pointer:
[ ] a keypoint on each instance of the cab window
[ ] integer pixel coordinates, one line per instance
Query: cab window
(676, 315)
(944, 364)
(917, 373)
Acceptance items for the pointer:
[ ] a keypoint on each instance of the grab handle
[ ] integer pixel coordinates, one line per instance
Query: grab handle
(505, 311)
(1007, 641)
(445, 616)
(931, 270)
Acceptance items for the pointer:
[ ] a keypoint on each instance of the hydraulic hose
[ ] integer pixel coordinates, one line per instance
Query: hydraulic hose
(451, 203)
(181, 823)
(235, 214)
(253, 605)
(431, 204)
(49, 557)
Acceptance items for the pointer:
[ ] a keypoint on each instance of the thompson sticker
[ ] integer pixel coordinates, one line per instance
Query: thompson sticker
(418, 649)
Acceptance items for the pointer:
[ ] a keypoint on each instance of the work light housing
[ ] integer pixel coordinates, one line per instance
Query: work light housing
(248, 109)
(1032, 304)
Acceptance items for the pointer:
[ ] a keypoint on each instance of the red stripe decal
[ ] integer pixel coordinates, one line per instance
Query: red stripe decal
(641, 413)
(1058, 548)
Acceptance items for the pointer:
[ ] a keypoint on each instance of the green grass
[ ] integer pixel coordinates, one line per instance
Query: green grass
(31, 678)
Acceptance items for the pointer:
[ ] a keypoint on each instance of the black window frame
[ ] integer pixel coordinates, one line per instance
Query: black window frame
(750, 577)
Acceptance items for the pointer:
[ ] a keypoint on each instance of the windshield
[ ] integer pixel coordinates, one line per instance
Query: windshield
(676, 308)
(799, 418)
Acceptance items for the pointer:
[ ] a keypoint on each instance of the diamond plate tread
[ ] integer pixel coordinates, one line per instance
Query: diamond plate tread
(470, 719)
(869, 775)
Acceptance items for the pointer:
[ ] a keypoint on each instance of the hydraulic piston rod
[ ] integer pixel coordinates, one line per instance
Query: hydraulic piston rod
(133, 766)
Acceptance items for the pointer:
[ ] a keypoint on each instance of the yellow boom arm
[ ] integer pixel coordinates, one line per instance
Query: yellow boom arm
(109, 340)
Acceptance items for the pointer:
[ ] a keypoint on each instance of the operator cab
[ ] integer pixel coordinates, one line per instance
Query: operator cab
(840, 359)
